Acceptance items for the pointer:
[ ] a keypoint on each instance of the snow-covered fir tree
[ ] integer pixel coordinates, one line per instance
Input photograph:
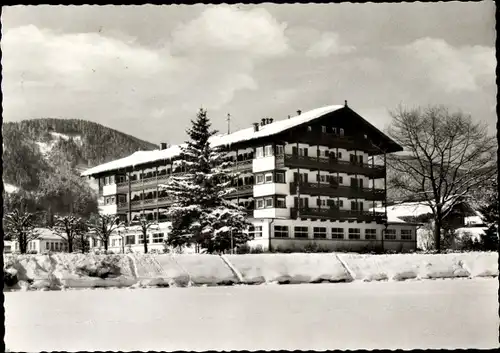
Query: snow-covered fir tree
(200, 213)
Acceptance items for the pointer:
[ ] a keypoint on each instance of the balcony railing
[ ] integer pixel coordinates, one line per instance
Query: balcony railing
(243, 166)
(337, 214)
(334, 190)
(139, 204)
(240, 166)
(335, 141)
(242, 190)
(333, 165)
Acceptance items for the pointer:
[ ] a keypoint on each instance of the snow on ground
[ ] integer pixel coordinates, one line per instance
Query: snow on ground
(45, 147)
(291, 268)
(63, 270)
(9, 188)
(449, 314)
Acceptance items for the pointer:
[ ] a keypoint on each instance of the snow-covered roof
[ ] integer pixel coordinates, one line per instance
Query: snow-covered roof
(412, 209)
(143, 157)
(407, 209)
(47, 234)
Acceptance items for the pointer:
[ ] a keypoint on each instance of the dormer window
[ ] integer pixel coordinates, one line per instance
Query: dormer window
(341, 132)
(323, 129)
(309, 128)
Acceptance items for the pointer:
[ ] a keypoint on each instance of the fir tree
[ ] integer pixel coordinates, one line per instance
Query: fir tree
(200, 213)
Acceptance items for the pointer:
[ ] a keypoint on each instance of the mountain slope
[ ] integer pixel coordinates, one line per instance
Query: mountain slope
(36, 148)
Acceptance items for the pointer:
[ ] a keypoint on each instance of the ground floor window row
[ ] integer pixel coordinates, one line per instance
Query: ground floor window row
(306, 232)
(133, 239)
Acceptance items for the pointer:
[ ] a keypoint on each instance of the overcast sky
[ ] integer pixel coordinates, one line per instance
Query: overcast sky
(146, 70)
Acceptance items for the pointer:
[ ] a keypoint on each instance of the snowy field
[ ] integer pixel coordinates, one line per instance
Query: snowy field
(458, 313)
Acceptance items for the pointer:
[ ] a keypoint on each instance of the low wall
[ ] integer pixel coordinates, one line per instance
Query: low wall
(62, 271)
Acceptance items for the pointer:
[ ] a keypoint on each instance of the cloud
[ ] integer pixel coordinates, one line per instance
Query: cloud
(228, 29)
(454, 69)
(114, 79)
(329, 44)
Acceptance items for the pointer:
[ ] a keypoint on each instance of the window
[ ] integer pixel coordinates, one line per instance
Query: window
(354, 233)
(301, 232)
(130, 240)
(268, 151)
(319, 232)
(370, 234)
(339, 155)
(341, 132)
(322, 202)
(390, 234)
(323, 129)
(268, 202)
(309, 128)
(280, 202)
(113, 242)
(46, 245)
(259, 152)
(141, 238)
(158, 238)
(334, 130)
(405, 234)
(356, 206)
(337, 233)
(280, 150)
(260, 179)
(280, 177)
(339, 203)
(281, 231)
(268, 178)
(360, 159)
(260, 203)
(255, 231)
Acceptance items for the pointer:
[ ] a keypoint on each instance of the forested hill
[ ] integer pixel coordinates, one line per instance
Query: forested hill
(35, 148)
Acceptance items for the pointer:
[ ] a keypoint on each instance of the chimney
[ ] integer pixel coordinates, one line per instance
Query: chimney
(163, 146)
(299, 112)
(345, 103)
(262, 122)
(271, 120)
(255, 126)
(288, 116)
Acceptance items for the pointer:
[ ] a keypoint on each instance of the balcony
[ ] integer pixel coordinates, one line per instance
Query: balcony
(243, 166)
(335, 141)
(145, 183)
(147, 203)
(333, 165)
(241, 191)
(334, 190)
(336, 214)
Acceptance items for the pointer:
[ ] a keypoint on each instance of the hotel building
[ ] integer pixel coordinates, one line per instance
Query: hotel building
(311, 178)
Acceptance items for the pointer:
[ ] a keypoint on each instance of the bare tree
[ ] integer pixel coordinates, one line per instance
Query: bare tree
(20, 226)
(144, 225)
(67, 227)
(103, 226)
(447, 157)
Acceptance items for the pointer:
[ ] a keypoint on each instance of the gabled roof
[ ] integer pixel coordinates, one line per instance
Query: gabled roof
(248, 134)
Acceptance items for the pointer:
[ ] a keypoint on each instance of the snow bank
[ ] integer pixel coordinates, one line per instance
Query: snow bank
(289, 268)
(61, 271)
(399, 267)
